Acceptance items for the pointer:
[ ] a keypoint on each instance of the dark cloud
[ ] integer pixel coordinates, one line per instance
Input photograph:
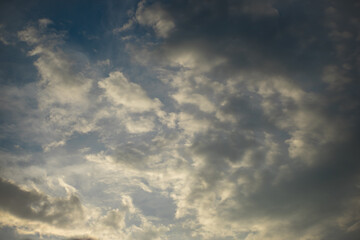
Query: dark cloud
(294, 42)
(9, 233)
(292, 138)
(317, 197)
(32, 205)
(82, 238)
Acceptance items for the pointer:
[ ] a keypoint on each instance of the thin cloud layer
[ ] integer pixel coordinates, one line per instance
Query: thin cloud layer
(181, 120)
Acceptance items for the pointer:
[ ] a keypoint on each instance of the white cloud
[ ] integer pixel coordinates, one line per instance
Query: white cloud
(184, 97)
(125, 27)
(121, 92)
(44, 22)
(114, 219)
(191, 124)
(140, 125)
(63, 90)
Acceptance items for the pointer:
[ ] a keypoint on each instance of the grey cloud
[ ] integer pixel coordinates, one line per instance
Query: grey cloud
(149, 233)
(305, 196)
(265, 113)
(83, 238)
(35, 206)
(291, 145)
(279, 45)
(134, 155)
(9, 233)
(142, 154)
(257, 9)
(155, 16)
(247, 111)
(223, 145)
(4, 36)
(308, 198)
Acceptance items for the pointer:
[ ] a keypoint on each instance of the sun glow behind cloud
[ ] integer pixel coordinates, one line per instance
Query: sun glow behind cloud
(179, 120)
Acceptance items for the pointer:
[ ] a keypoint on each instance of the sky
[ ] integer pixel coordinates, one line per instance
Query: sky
(181, 119)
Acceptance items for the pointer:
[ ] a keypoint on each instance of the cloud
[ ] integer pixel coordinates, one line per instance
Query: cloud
(114, 219)
(62, 94)
(196, 99)
(82, 238)
(156, 17)
(39, 34)
(134, 108)
(192, 124)
(257, 129)
(236, 186)
(125, 27)
(4, 35)
(129, 95)
(148, 233)
(238, 120)
(256, 9)
(35, 206)
(44, 22)
(332, 75)
(11, 233)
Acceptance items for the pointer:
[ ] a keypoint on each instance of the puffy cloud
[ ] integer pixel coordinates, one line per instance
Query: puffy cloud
(114, 219)
(196, 99)
(301, 115)
(192, 124)
(133, 107)
(130, 95)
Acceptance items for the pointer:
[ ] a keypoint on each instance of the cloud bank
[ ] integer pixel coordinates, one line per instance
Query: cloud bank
(181, 120)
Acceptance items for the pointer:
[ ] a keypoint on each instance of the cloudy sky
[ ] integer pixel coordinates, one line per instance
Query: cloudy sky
(182, 119)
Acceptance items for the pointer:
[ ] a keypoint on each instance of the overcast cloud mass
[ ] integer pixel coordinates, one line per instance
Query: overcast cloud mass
(182, 119)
